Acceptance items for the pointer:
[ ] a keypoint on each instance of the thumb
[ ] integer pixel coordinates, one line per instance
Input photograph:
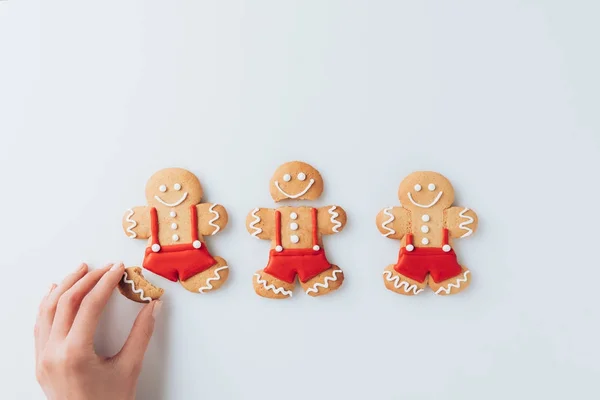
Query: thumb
(136, 344)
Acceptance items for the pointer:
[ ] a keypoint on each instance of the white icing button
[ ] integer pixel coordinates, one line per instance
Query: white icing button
(446, 248)
(294, 238)
(177, 186)
(417, 188)
(197, 244)
(287, 177)
(410, 247)
(431, 187)
(156, 247)
(425, 218)
(293, 215)
(278, 248)
(173, 214)
(173, 225)
(424, 229)
(301, 176)
(162, 188)
(425, 241)
(316, 247)
(294, 226)
(175, 237)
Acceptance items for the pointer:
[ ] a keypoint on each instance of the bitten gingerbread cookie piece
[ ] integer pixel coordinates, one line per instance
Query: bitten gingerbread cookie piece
(426, 224)
(296, 236)
(135, 287)
(175, 223)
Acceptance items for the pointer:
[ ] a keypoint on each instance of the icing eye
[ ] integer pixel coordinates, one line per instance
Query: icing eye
(431, 187)
(417, 188)
(162, 188)
(301, 176)
(177, 186)
(287, 177)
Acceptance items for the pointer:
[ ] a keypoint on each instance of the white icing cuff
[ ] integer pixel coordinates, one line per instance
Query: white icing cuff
(410, 247)
(155, 247)
(197, 244)
(446, 248)
(316, 247)
(278, 248)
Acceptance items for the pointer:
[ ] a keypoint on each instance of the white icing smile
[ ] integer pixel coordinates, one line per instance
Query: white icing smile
(294, 196)
(178, 202)
(433, 203)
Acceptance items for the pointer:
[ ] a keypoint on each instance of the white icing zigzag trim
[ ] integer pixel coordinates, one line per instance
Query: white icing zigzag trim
(272, 287)
(325, 284)
(209, 285)
(334, 214)
(433, 203)
(257, 231)
(178, 202)
(463, 225)
(294, 196)
(139, 292)
(384, 225)
(397, 284)
(132, 225)
(211, 222)
(454, 285)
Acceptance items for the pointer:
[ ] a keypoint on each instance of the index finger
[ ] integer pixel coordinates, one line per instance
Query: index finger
(84, 325)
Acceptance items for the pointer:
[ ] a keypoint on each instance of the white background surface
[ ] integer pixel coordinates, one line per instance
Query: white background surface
(500, 96)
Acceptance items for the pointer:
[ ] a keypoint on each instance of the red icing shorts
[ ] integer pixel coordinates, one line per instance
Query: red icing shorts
(421, 261)
(307, 263)
(178, 261)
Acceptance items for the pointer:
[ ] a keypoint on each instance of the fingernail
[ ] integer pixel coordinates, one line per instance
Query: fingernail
(116, 266)
(52, 287)
(81, 267)
(156, 308)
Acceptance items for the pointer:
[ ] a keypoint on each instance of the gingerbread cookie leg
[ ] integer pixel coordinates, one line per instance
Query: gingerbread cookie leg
(268, 286)
(453, 285)
(135, 287)
(326, 282)
(401, 284)
(208, 280)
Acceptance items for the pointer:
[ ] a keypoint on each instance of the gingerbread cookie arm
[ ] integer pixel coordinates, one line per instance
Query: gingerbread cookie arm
(461, 222)
(212, 218)
(260, 223)
(331, 219)
(136, 222)
(393, 222)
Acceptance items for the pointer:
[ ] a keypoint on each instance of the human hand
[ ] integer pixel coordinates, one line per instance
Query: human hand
(67, 367)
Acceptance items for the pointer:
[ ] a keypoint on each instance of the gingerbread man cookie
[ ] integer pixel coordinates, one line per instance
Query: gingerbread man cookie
(175, 223)
(426, 224)
(296, 236)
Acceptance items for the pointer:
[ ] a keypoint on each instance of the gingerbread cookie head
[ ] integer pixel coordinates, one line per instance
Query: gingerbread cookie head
(173, 188)
(425, 189)
(296, 180)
